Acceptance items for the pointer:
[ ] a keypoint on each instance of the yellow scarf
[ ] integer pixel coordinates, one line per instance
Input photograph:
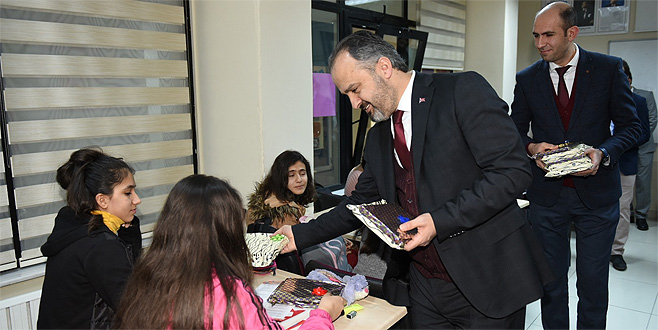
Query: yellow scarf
(110, 220)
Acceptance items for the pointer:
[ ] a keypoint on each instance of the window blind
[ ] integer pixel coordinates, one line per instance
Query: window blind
(7, 254)
(445, 22)
(79, 73)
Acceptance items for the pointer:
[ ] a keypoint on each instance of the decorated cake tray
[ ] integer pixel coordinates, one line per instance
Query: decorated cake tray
(384, 220)
(263, 248)
(302, 292)
(568, 158)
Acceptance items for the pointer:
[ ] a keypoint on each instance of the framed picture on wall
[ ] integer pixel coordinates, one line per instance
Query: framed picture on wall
(613, 16)
(600, 16)
(586, 15)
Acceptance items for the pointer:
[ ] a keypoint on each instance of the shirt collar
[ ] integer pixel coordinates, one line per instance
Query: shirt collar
(405, 100)
(573, 62)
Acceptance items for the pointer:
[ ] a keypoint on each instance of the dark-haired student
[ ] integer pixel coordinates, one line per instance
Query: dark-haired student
(196, 274)
(93, 245)
(281, 199)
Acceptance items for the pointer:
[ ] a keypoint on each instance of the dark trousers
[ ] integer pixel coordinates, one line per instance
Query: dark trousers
(595, 232)
(437, 304)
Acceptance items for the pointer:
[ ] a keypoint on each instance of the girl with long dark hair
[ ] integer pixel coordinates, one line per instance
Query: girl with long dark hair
(281, 199)
(196, 274)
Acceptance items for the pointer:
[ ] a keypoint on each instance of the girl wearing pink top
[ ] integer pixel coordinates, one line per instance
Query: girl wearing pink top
(196, 274)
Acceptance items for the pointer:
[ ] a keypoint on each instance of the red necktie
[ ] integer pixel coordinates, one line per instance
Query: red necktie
(562, 93)
(400, 142)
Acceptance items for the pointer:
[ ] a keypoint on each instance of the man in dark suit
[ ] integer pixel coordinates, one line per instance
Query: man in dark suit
(645, 163)
(457, 165)
(628, 167)
(573, 95)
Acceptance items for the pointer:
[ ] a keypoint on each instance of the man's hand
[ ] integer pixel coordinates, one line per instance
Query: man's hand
(542, 147)
(287, 231)
(426, 231)
(595, 155)
(332, 305)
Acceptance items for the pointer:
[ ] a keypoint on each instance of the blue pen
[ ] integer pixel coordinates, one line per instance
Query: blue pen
(402, 219)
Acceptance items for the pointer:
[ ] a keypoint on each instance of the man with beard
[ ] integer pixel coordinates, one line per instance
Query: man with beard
(445, 149)
(573, 95)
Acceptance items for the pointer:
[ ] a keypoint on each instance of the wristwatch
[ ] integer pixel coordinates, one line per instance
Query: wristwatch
(606, 157)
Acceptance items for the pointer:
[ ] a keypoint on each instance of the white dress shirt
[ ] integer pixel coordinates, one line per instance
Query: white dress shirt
(569, 76)
(405, 106)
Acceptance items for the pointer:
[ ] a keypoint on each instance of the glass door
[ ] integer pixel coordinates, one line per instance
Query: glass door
(338, 130)
(326, 151)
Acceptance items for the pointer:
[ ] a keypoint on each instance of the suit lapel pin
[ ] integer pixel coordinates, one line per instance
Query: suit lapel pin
(421, 100)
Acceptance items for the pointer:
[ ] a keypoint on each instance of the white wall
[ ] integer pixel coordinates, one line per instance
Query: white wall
(491, 35)
(253, 78)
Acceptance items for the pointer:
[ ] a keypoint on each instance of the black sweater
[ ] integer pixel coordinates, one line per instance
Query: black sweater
(85, 272)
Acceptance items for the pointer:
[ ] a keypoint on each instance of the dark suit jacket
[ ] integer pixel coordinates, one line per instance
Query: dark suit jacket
(602, 95)
(470, 166)
(628, 160)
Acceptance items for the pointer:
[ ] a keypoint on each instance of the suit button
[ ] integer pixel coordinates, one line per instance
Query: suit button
(409, 181)
(410, 200)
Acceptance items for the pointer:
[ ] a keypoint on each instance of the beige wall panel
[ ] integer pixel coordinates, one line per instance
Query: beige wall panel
(33, 32)
(38, 194)
(41, 225)
(66, 97)
(29, 65)
(124, 9)
(33, 131)
(151, 205)
(50, 161)
(168, 175)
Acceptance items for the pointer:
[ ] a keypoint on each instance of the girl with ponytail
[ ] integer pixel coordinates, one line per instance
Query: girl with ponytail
(93, 245)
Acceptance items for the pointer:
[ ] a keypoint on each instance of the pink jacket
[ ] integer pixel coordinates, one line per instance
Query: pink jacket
(255, 316)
